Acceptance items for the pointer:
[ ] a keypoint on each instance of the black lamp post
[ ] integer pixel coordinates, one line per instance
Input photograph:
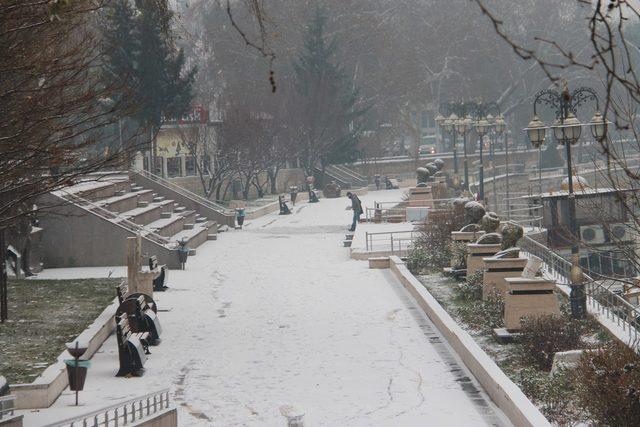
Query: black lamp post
(447, 126)
(482, 127)
(567, 130)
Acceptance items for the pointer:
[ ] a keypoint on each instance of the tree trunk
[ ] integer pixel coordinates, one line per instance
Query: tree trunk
(4, 306)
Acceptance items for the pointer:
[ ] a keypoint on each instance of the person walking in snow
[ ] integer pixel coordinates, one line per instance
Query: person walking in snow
(356, 206)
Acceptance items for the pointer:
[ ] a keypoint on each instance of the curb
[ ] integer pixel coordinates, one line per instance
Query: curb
(505, 393)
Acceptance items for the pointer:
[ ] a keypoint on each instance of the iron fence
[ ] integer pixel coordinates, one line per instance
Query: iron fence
(599, 295)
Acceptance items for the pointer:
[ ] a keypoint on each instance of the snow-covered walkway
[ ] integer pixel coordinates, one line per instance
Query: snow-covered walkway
(277, 314)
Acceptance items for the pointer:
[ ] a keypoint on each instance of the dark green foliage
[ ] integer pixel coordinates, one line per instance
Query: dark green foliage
(327, 104)
(482, 315)
(142, 62)
(471, 289)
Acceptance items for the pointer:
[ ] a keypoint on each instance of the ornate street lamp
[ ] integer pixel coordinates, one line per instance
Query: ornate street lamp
(447, 125)
(567, 130)
(537, 133)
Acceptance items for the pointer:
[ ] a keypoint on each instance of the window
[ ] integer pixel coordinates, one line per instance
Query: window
(174, 166)
(190, 166)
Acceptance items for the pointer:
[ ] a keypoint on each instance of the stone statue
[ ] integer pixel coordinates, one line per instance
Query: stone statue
(470, 228)
(432, 168)
(423, 175)
(490, 222)
(511, 233)
(489, 239)
(439, 163)
(508, 253)
(473, 213)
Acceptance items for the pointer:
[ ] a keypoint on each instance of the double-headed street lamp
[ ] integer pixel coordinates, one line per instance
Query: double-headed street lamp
(456, 123)
(447, 126)
(482, 127)
(567, 130)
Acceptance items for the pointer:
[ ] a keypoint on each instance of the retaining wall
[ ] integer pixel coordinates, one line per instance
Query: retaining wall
(51, 383)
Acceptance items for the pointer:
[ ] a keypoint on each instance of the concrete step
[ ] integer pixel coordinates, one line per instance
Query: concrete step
(166, 214)
(212, 237)
(136, 188)
(143, 215)
(179, 209)
(142, 203)
(189, 216)
(157, 198)
(201, 219)
(188, 226)
(96, 190)
(167, 227)
(166, 205)
(194, 237)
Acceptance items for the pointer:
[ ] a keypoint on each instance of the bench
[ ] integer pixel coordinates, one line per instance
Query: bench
(160, 282)
(122, 290)
(142, 317)
(132, 350)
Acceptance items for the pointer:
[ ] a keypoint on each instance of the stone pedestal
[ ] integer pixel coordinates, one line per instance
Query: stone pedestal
(466, 236)
(476, 253)
(420, 197)
(528, 297)
(497, 270)
(139, 279)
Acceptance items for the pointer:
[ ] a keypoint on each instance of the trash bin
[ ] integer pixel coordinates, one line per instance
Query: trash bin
(77, 373)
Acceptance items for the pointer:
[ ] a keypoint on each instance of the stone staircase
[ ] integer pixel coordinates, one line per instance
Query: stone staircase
(152, 211)
(100, 208)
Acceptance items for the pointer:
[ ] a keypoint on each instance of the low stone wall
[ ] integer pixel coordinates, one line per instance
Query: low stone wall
(51, 383)
(504, 393)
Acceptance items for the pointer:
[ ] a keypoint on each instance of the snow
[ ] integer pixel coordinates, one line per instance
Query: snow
(276, 320)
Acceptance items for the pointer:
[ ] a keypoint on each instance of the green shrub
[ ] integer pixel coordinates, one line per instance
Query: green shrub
(471, 290)
(485, 315)
(608, 386)
(554, 395)
(543, 336)
(458, 255)
(432, 251)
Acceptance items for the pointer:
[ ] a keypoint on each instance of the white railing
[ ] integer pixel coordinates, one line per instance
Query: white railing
(611, 305)
(121, 414)
(393, 241)
(114, 218)
(7, 407)
(184, 192)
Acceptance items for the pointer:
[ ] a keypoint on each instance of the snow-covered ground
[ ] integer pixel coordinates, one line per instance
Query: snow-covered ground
(277, 314)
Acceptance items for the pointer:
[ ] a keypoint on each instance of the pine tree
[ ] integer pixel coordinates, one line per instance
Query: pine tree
(141, 59)
(327, 103)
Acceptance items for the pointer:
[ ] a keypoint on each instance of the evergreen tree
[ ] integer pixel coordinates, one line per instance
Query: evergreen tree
(142, 59)
(326, 107)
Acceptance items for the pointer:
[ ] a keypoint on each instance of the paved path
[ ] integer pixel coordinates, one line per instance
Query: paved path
(277, 314)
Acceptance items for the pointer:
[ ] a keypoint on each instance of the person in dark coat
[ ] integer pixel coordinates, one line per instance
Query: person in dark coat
(356, 206)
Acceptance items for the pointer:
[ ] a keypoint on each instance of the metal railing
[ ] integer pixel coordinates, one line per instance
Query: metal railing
(7, 407)
(393, 241)
(184, 192)
(614, 307)
(115, 218)
(124, 413)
